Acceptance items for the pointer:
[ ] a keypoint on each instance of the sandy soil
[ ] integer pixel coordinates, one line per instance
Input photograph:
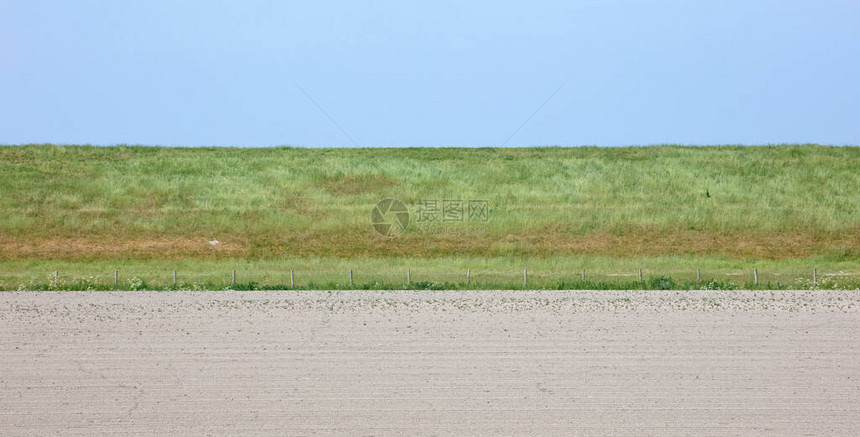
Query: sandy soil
(439, 363)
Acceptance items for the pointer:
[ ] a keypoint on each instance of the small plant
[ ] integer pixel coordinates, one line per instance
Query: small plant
(135, 283)
(89, 283)
(714, 284)
(661, 283)
(32, 285)
(429, 285)
(370, 286)
(250, 286)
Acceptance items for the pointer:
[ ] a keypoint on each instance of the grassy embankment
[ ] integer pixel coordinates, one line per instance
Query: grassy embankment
(669, 210)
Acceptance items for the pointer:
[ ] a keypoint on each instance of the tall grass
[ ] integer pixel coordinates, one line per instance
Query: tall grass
(126, 202)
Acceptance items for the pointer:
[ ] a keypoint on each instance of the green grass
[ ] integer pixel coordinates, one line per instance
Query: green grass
(666, 209)
(386, 273)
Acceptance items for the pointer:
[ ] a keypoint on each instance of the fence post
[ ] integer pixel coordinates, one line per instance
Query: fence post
(755, 276)
(56, 277)
(640, 275)
(814, 278)
(234, 277)
(174, 276)
(698, 275)
(116, 277)
(583, 274)
(468, 275)
(525, 277)
(292, 281)
(350, 278)
(408, 277)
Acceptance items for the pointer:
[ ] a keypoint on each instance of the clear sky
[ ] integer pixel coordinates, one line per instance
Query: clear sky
(434, 73)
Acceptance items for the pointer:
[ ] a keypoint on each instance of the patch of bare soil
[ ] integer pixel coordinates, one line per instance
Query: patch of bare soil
(628, 363)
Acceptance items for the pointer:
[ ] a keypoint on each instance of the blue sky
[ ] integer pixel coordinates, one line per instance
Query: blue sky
(441, 73)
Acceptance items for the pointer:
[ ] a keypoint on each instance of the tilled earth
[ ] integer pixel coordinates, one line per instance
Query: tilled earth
(356, 363)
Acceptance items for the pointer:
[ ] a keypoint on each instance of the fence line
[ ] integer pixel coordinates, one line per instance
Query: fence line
(499, 278)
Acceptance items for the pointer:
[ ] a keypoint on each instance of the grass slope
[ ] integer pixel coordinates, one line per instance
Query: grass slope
(558, 208)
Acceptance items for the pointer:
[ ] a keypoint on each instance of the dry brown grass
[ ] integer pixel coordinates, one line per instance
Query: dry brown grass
(357, 184)
(359, 242)
(95, 247)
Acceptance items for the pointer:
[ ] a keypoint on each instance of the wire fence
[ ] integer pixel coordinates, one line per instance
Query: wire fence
(139, 279)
